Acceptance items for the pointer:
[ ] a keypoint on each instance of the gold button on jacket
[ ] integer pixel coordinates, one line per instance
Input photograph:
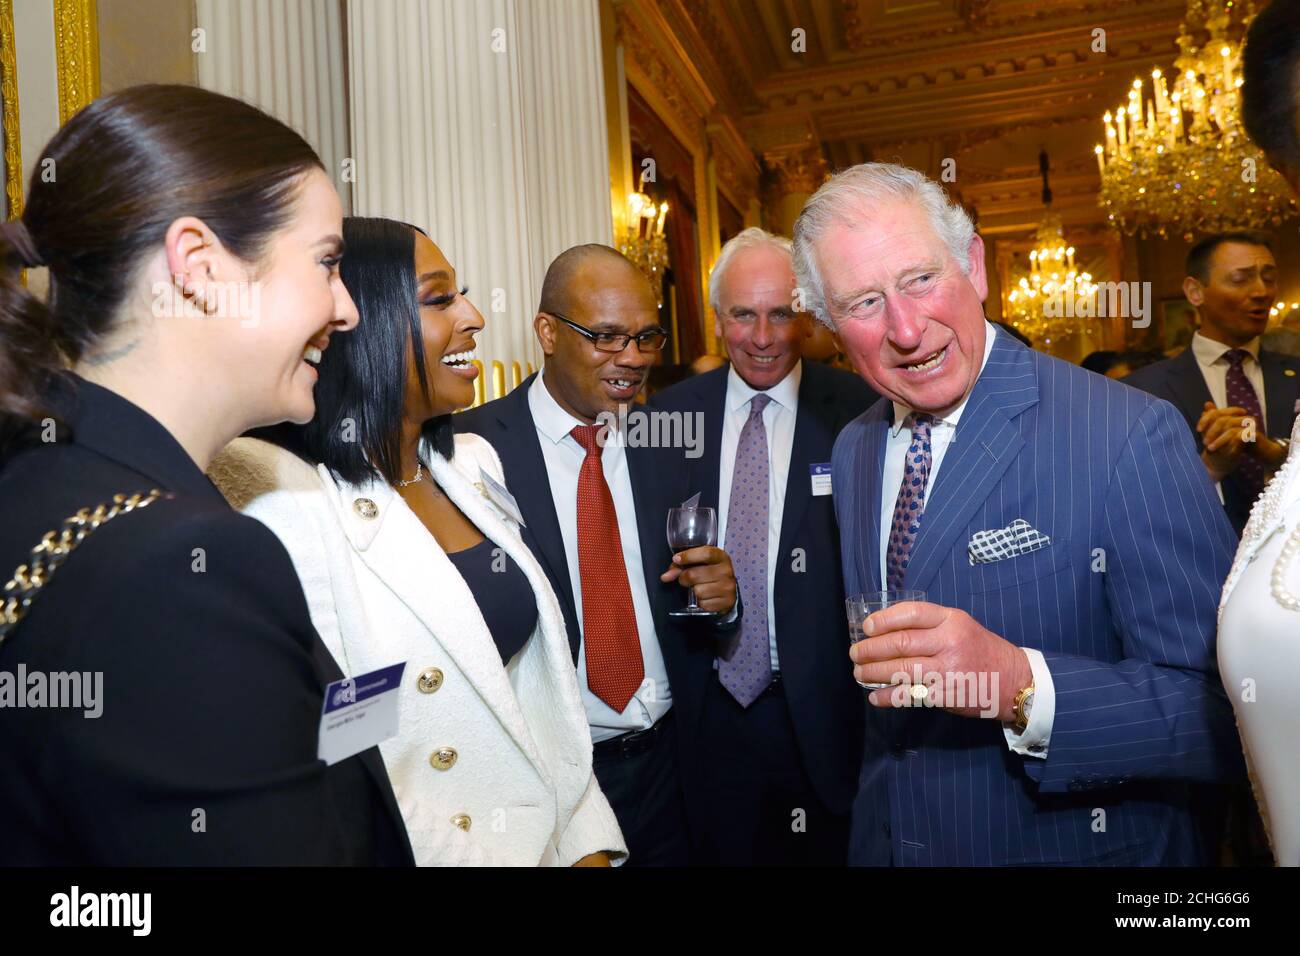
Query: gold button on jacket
(443, 758)
(430, 680)
(461, 820)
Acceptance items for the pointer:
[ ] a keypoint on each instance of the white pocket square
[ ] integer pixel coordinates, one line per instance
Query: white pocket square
(998, 544)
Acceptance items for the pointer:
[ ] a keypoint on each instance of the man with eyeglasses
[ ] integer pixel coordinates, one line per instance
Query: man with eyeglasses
(783, 743)
(595, 513)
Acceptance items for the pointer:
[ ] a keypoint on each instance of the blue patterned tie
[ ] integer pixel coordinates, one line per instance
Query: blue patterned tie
(749, 671)
(910, 504)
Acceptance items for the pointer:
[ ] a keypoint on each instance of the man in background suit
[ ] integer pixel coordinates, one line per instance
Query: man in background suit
(1055, 695)
(1239, 400)
(595, 511)
(782, 739)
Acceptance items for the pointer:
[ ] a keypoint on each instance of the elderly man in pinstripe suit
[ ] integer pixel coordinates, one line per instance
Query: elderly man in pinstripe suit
(1054, 698)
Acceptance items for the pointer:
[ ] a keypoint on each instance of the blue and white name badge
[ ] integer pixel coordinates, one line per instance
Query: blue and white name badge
(820, 475)
(359, 713)
(499, 496)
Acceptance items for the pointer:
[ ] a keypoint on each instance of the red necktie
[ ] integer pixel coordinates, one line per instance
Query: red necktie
(614, 666)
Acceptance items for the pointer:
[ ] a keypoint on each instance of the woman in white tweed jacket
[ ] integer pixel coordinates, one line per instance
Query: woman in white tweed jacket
(492, 761)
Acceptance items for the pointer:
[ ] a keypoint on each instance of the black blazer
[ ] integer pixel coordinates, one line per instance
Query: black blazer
(1179, 381)
(213, 677)
(811, 628)
(507, 424)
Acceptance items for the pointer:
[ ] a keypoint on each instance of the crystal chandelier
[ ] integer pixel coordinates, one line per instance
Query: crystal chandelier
(1179, 161)
(1053, 298)
(1037, 303)
(643, 240)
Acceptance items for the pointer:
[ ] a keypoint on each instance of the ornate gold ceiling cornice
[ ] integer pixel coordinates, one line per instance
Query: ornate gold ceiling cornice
(715, 48)
(662, 72)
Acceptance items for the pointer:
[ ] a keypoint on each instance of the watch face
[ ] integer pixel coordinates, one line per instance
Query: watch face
(1029, 702)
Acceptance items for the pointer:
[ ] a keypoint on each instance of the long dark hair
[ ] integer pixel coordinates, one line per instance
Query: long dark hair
(103, 194)
(357, 431)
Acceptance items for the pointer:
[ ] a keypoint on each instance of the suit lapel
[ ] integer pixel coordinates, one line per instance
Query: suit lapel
(1187, 384)
(706, 471)
(521, 457)
(986, 443)
(651, 518)
(870, 465)
(1280, 392)
(813, 438)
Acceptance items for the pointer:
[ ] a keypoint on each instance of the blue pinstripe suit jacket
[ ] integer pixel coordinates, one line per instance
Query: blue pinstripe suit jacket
(1122, 605)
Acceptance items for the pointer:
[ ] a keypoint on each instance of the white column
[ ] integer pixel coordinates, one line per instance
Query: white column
(482, 121)
(287, 57)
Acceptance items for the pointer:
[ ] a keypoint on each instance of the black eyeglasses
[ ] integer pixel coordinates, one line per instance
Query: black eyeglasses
(651, 340)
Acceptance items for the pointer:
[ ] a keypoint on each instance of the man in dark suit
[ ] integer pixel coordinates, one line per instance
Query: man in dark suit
(782, 739)
(1239, 400)
(594, 504)
(1054, 697)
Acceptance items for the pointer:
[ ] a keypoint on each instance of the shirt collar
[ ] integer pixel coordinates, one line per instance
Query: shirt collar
(953, 417)
(551, 420)
(1208, 351)
(784, 393)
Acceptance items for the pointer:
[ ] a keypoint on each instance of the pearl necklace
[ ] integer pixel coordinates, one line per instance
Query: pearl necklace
(1265, 515)
(1277, 580)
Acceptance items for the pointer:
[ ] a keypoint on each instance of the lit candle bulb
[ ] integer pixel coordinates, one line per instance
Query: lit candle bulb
(1226, 53)
(1158, 83)
(1101, 159)
(663, 212)
(1119, 125)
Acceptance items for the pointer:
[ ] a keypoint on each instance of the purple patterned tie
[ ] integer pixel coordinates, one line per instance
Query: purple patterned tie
(749, 670)
(1243, 395)
(910, 503)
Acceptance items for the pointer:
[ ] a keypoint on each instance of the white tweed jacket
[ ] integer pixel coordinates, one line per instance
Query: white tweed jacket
(380, 590)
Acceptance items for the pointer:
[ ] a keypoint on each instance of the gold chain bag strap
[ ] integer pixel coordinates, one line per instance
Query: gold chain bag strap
(54, 549)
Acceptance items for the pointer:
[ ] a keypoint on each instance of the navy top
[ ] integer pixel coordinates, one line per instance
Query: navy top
(504, 596)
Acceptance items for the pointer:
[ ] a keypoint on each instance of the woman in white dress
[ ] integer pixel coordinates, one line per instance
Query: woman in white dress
(1259, 653)
(405, 557)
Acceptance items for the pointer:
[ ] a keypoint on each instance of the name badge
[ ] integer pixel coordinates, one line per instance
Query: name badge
(503, 499)
(820, 475)
(359, 713)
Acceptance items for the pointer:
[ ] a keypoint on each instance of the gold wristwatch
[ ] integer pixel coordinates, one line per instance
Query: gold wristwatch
(1020, 708)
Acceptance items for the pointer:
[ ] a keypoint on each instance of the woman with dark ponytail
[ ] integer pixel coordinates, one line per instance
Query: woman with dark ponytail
(161, 684)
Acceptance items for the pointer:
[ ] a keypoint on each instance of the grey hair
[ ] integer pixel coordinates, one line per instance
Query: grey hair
(751, 238)
(848, 196)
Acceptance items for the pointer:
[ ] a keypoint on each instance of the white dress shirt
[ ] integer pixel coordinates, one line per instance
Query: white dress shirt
(778, 422)
(1034, 741)
(564, 457)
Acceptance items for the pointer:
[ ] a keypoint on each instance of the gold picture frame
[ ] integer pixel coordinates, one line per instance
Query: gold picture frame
(76, 50)
(12, 141)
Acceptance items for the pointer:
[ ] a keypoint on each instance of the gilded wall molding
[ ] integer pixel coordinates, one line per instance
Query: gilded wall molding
(76, 50)
(9, 87)
(736, 168)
